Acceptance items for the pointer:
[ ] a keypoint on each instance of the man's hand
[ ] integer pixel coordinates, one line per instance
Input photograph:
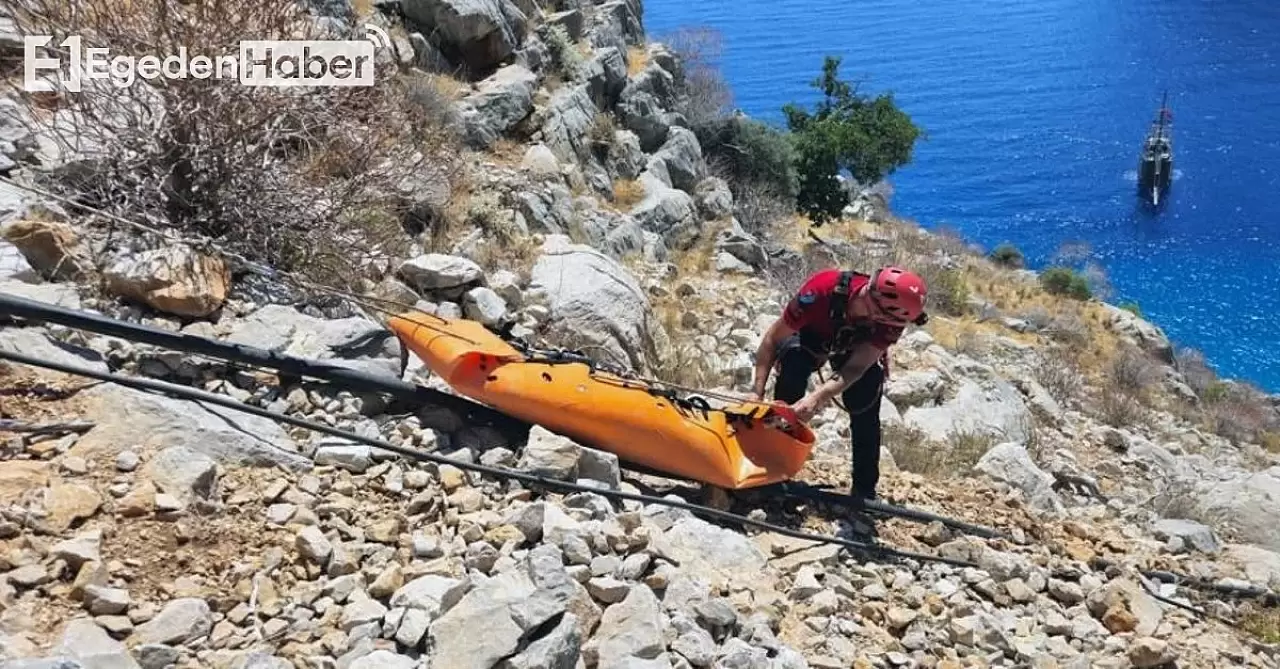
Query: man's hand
(806, 407)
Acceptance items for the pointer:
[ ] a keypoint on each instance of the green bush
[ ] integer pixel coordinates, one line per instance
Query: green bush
(948, 291)
(867, 137)
(1008, 255)
(1133, 308)
(564, 53)
(1066, 281)
(751, 155)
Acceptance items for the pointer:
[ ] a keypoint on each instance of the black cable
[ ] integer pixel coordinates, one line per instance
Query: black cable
(193, 394)
(353, 379)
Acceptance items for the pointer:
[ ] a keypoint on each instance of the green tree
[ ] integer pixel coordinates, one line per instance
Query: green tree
(867, 137)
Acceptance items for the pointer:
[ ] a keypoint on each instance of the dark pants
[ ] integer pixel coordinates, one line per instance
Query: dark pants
(862, 401)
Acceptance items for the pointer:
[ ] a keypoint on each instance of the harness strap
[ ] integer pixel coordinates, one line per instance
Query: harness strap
(840, 299)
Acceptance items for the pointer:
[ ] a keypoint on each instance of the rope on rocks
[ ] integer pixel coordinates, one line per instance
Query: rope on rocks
(196, 395)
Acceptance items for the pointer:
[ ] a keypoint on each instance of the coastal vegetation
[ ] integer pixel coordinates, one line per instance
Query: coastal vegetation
(799, 168)
(846, 132)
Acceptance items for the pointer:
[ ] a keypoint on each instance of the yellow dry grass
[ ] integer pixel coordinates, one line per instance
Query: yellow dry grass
(637, 60)
(449, 87)
(507, 152)
(627, 193)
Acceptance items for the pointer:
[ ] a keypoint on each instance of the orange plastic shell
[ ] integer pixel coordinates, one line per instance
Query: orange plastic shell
(608, 412)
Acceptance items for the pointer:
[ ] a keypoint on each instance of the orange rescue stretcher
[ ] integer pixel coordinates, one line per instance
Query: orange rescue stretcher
(742, 445)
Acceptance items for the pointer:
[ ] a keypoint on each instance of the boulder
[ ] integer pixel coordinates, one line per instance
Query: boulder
(184, 473)
(90, 645)
(1139, 332)
(133, 419)
(569, 118)
(626, 160)
(666, 211)
(683, 157)
(1010, 463)
(383, 659)
(499, 103)
(711, 553)
(175, 280)
(1248, 502)
(653, 80)
(1193, 534)
(610, 232)
(180, 621)
(36, 342)
(631, 629)
(550, 455)
(1125, 595)
(594, 301)
(540, 160)
(618, 23)
(49, 247)
(484, 305)
(742, 245)
(914, 387)
(14, 265)
(476, 33)
(641, 113)
(509, 607)
(715, 200)
(559, 649)
(66, 504)
(355, 341)
(727, 263)
(439, 272)
(1259, 565)
(988, 406)
(571, 20)
(19, 478)
(606, 75)
(546, 211)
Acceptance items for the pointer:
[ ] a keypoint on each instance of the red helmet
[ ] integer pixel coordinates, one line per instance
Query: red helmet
(898, 295)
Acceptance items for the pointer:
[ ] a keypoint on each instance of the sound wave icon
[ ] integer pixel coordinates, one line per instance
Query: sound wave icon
(377, 35)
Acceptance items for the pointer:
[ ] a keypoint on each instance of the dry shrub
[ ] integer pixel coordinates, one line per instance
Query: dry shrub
(914, 452)
(1262, 622)
(1118, 407)
(503, 245)
(314, 180)
(1195, 369)
(626, 193)
(1068, 328)
(1038, 318)
(702, 94)
(759, 209)
(637, 60)
(602, 130)
(965, 448)
(1132, 370)
(787, 276)
(686, 365)
(1057, 369)
(1239, 412)
(948, 290)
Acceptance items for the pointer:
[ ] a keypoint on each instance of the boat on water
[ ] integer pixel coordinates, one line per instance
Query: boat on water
(1155, 168)
(742, 445)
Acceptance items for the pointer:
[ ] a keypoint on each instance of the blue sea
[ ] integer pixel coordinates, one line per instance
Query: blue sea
(1034, 113)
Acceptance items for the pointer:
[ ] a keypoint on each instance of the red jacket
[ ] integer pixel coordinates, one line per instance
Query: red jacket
(809, 311)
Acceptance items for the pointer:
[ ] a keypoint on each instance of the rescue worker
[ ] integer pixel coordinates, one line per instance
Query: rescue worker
(849, 319)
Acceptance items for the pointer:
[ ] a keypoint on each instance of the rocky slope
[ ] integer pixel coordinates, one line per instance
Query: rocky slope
(160, 533)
